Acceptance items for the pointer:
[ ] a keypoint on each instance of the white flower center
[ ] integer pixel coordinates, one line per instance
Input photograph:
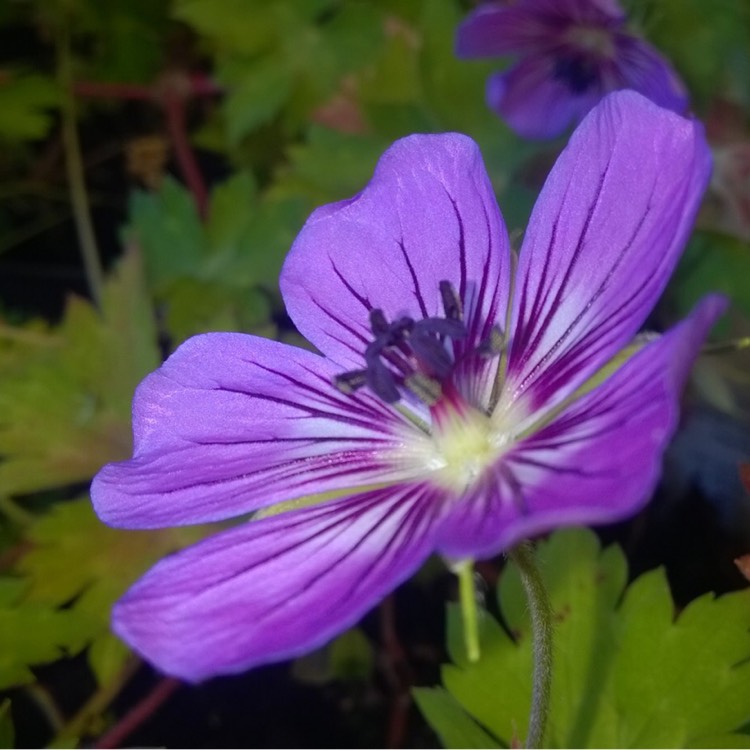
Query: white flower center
(465, 443)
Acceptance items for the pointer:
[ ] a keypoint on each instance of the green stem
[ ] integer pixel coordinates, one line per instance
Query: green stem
(468, 601)
(74, 165)
(542, 628)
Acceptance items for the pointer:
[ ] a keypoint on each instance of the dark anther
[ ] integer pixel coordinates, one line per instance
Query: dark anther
(378, 323)
(409, 354)
(348, 382)
(493, 345)
(451, 301)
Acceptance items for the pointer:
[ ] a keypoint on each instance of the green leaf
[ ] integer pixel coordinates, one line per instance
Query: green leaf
(27, 104)
(713, 262)
(107, 657)
(329, 166)
(35, 633)
(258, 92)
(454, 727)
(73, 573)
(351, 656)
(7, 732)
(624, 676)
(65, 404)
(167, 229)
(453, 88)
(100, 562)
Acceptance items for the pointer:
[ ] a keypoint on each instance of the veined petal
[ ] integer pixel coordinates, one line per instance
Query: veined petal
(597, 462)
(642, 68)
(428, 215)
(231, 423)
(603, 238)
(494, 29)
(536, 103)
(276, 588)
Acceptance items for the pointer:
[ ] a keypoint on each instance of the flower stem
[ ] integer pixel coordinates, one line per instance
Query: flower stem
(468, 602)
(542, 628)
(74, 164)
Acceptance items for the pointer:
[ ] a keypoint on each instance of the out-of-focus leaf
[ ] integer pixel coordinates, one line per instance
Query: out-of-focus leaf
(76, 558)
(348, 657)
(454, 88)
(65, 406)
(35, 633)
(200, 307)
(7, 731)
(27, 103)
(115, 30)
(619, 671)
(329, 166)
(351, 656)
(713, 262)
(280, 59)
(452, 724)
(167, 228)
(258, 92)
(107, 656)
(717, 55)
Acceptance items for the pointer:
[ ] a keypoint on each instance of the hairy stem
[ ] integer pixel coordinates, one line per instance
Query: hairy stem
(74, 166)
(542, 628)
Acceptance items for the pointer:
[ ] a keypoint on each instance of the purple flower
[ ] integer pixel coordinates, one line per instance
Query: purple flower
(572, 53)
(455, 409)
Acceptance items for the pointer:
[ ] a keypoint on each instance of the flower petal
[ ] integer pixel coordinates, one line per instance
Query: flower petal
(428, 215)
(534, 101)
(642, 68)
(494, 30)
(276, 588)
(598, 462)
(231, 423)
(603, 238)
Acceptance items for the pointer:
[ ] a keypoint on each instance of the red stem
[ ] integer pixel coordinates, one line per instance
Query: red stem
(174, 108)
(139, 713)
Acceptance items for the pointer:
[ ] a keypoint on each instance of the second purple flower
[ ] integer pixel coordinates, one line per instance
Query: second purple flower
(570, 54)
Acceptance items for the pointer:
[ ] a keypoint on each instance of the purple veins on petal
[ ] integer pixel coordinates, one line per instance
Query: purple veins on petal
(276, 588)
(499, 432)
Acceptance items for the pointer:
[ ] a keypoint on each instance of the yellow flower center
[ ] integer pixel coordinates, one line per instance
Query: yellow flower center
(466, 443)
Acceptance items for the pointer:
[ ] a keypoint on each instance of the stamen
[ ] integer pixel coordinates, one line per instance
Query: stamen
(493, 345)
(427, 390)
(378, 323)
(349, 382)
(451, 301)
(409, 354)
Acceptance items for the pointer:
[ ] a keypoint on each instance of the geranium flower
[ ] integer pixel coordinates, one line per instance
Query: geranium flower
(571, 53)
(453, 410)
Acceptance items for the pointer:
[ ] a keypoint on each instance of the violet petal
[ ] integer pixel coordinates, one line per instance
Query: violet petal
(276, 588)
(642, 68)
(429, 215)
(598, 462)
(603, 239)
(534, 101)
(231, 423)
